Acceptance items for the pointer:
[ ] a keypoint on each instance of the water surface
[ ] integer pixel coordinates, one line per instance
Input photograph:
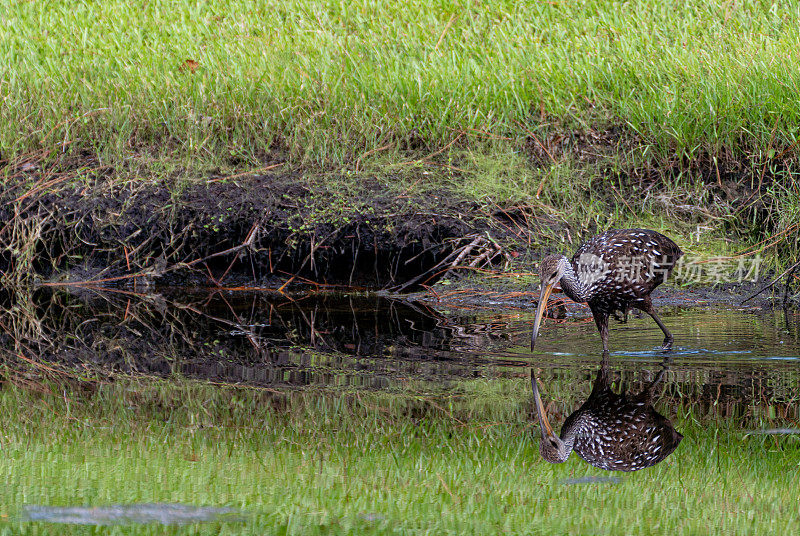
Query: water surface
(370, 342)
(733, 368)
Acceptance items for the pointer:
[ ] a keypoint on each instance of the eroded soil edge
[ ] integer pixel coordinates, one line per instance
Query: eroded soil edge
(263, 230)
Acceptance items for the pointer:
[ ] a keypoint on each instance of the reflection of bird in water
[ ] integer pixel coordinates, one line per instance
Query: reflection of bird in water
(614, 271)
(610, 431)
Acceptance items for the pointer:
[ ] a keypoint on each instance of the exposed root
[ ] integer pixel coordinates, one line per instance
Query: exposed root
(480, 251)
(67, 229)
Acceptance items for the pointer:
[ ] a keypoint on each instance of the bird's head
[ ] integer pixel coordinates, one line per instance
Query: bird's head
(553, 450)
(551, 269)
(551, 447)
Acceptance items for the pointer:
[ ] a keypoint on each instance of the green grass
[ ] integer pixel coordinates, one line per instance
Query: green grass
(331, 82)
(337, 463)
(559, 108)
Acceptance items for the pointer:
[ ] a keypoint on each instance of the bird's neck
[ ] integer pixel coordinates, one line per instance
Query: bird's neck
(564, 446)
(569, 433)
(572, 286)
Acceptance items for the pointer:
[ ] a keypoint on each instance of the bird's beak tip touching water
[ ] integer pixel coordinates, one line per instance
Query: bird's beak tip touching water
(540, 308)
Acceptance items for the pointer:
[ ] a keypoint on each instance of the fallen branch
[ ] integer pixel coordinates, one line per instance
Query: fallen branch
(772, 283)
(248, 243)
(485, 249)
(466, 250)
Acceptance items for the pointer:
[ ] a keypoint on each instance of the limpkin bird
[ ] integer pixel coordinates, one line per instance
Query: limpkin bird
(610, 431)
(612, 272)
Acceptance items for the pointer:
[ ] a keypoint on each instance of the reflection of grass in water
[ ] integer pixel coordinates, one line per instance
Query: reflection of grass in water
(310, 462)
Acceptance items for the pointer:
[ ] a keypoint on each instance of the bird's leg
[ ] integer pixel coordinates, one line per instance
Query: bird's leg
(650, 389)
(601, 380)
(601, 320)
(649, 309)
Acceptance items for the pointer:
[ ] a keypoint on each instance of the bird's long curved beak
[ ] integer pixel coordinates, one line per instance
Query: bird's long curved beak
(547, 430)
(543, 296)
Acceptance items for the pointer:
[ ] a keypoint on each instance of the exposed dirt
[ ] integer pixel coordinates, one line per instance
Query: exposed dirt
(261, 230)
(83, 221)
(506, 293)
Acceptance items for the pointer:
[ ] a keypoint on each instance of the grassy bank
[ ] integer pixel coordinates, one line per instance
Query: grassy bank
(680, 116)
(307, 463)
(332, 82)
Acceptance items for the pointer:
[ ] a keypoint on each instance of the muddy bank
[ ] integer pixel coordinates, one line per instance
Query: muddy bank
(88, 222)
(508, 294)
(265, 230)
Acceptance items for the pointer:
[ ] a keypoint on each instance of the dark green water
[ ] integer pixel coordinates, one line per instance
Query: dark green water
(722, 356)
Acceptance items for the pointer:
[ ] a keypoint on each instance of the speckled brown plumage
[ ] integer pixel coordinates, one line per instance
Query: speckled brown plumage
(611, 431)
(612, 272)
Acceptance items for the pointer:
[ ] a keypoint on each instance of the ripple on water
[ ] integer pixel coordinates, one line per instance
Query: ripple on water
(680, 352)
